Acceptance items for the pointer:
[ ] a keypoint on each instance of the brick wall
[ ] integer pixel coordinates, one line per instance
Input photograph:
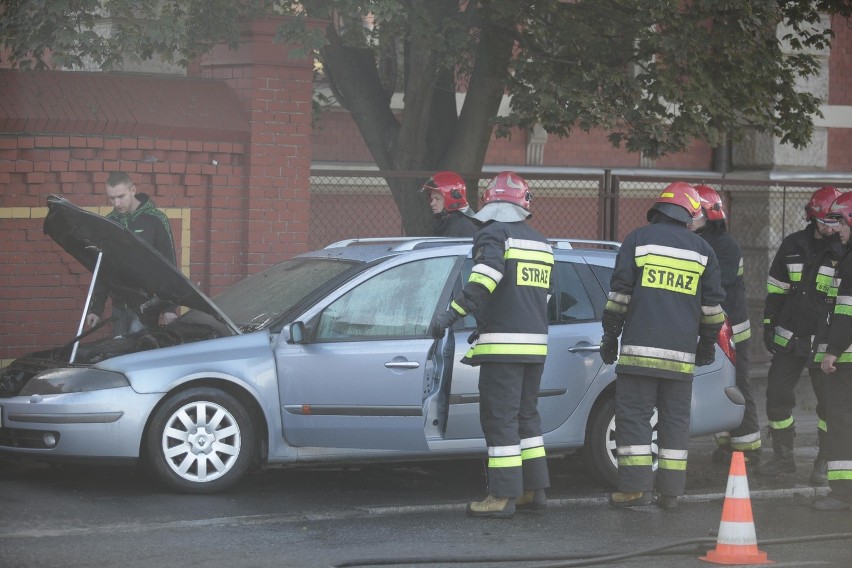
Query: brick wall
(226, 157)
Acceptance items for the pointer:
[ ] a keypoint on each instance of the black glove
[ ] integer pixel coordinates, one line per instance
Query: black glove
(705, 353)
(769, 337)
(609, 349)
(441, 322)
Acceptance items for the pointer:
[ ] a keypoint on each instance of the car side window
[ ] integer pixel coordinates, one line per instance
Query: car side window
(570, 302)
(399, 302)
(603, 275)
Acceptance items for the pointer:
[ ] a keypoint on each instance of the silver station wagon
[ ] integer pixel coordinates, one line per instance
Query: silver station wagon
(323, 358)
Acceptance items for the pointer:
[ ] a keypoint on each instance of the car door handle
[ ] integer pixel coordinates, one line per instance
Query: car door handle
(402, 364)
(584, 349)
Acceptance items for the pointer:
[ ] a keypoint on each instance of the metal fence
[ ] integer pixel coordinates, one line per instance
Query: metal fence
(607, 206)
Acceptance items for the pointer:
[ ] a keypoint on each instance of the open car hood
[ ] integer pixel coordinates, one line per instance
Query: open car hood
(134, 271)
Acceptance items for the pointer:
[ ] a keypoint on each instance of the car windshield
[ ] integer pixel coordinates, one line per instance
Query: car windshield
(261, 299)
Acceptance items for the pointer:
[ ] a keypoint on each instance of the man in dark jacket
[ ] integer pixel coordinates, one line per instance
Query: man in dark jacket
(507, 294)
(453, 216)
(711, 226)
(137, 213)
(665, 293)
(796, 300)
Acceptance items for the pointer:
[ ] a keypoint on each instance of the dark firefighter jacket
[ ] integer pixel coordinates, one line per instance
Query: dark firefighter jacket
(149, 224)
(730, 260)
(507, 294)
(836, 339)
(454, 224)
(834, 332)
(797, 287)
(665, 292)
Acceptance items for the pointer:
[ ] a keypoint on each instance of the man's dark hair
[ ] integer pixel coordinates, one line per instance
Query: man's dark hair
(118, 178)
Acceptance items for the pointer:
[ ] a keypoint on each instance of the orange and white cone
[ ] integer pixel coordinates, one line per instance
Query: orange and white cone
(737, 541)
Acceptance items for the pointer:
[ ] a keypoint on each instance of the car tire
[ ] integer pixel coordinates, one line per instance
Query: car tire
(200, 441)
(599, 452)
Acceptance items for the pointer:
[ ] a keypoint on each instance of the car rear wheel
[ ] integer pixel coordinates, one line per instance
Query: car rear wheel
(599, 453)
(200, 441)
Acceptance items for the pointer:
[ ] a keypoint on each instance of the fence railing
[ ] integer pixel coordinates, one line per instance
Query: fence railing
(607, 206)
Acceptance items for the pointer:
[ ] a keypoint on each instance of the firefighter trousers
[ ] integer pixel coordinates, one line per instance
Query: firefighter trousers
(838, 437)
(784, 374)
(508, 414)
(746, 436)
(636, 396)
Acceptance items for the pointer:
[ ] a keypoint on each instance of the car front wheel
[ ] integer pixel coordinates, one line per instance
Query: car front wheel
(200, 441)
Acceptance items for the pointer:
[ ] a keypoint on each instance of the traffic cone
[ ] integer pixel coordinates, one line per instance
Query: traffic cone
(737, 541)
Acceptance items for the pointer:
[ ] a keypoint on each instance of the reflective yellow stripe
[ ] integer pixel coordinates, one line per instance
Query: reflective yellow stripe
(488, 283)
(746, 442)
(652, 363)
(840, 470)
(708, 318)
(677, 465)
(532, 453)
(507, 349)
(781, 424)
(536, 256)
(740, 337)
(669, 262)
(840, 475)
(782, 336)
(742, 331)
(775, 286)
(635, 460)
(508, 461)
(458, 309)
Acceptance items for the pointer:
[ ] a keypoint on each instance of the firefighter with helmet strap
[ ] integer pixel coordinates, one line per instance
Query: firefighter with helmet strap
(834, 356)
(507, 293)
(665, 296)
(797, 299)
(453, 217)
(712, 227)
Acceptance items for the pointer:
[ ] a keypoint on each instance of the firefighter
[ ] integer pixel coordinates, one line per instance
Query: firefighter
(834, 355)
(797, 298)
(448, 199)
(665, 294)
(507, 294)
(712, 227)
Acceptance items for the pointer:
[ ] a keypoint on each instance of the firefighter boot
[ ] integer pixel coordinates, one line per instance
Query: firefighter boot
(783, 460)
(819, 476)
(620, 499)
(495, 507)
(665, 501)
(531, 500)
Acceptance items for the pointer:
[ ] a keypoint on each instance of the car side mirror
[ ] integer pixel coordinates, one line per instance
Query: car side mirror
(297, 332)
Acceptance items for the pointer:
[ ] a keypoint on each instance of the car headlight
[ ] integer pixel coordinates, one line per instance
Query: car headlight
(57, 381)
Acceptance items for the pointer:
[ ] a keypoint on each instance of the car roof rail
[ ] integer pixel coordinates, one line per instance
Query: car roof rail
(569, 244)
(402, 243)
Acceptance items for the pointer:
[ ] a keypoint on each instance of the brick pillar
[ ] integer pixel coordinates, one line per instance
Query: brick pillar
(276, 93)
